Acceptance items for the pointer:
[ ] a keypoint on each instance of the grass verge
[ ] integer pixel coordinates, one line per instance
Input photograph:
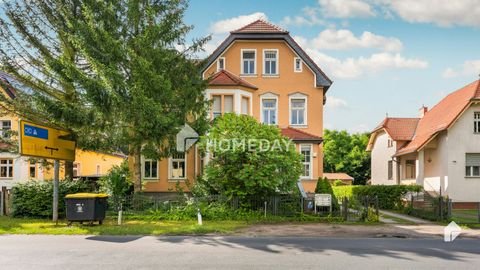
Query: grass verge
(131, 227)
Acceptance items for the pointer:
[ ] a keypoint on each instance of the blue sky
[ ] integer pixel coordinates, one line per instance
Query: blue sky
(384, 56)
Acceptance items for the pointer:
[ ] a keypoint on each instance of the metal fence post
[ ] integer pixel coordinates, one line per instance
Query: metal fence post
(345, 208)
(2, 201)
(440, 199)
(376, 205)
(478, 211)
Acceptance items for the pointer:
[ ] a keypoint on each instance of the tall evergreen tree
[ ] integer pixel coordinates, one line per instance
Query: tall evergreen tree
(119, 64)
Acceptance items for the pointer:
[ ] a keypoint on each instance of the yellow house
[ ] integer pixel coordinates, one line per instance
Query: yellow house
(259, 70)
(15, 168)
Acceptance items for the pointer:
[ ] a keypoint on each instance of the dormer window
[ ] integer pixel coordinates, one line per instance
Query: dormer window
(221, 63)
(248, 62)
(297, 64)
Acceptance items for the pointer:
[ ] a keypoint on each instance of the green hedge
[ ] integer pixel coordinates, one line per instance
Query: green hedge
(34, 198)
(389, 197)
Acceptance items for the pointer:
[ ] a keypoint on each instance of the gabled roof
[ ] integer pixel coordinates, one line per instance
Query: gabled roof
(297, 135)
(262, 30)
(225, 78)
(442, 116)
(5, 84)
(259, 26)
(399, 129)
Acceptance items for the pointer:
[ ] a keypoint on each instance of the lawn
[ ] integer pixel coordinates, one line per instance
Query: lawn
(465, 215)
(131, 227)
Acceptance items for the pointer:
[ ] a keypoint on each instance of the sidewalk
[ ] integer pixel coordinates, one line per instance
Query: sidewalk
(404, 217)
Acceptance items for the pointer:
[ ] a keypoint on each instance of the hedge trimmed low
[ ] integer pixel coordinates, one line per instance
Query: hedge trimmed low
(34, 198)
(389, 197)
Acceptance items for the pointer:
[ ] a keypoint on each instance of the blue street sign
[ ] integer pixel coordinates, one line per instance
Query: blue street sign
(36, 132)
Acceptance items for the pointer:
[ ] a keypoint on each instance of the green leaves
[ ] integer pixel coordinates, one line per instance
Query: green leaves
(344, 152)
(245, 160)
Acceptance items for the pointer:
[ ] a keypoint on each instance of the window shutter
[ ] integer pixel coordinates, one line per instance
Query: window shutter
(217, 104)
(228, 104)
(472, 159)
(244, 105)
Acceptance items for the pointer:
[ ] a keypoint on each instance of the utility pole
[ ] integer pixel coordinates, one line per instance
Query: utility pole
(56, 172)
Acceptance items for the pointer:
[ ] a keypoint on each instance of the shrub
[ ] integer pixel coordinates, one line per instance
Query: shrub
(338, 183)
(389, 197)
(117, 183)
(324, 187)
(34, 199)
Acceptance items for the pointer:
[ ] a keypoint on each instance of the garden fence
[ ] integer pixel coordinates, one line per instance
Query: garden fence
(424, 205)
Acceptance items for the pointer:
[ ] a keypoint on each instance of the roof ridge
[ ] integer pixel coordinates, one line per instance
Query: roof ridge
(276, 27)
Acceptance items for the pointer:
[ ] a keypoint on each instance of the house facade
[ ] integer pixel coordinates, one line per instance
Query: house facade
(259, 70)
(15, 168)
(440, 150)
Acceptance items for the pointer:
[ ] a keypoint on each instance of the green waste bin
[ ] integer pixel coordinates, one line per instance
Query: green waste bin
(86, 207)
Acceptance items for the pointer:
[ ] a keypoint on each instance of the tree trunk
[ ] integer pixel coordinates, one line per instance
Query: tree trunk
(137, 169)
(68, 169)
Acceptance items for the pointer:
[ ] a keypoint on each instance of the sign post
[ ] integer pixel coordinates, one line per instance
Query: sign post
(50, 143)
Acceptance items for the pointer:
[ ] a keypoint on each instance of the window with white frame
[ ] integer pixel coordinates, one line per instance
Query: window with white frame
(221, 63)
(6, 126)
(217, 106)
(269, 111)
(297, 64)
(6, 168)
(178, 168)
(76, 169)
(306, 153)
(228, 104)
(248, 62)
(298, 111)
(410, 169)
(472, 164)
(270, 66)
(32, 169)
(476, 122)
(150, 169)
(245, 105)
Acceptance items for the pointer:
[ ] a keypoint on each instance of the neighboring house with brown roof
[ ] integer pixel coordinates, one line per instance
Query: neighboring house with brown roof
(442, 153)
(345, 178)
(259, 70)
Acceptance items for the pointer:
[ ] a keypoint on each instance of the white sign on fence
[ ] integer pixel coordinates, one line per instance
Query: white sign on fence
(323, 200)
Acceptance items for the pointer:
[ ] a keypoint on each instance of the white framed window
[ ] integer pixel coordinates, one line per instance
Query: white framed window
(298, 111)
(32, 169)
(306, 153)
(76, 169)
(476, 122)
(150, 169)
(410, 169)
(178, 166)
(217, 106)
(6, 125)
(297, 64)
(245, 106)
(228, 104)
(269, 110)
(248, 62)
(220, 63)
(6, 168)
(472, 164)
(270, 62)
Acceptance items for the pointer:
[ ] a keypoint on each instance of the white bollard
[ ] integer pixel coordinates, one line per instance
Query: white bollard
(199, 216)
(120, 214)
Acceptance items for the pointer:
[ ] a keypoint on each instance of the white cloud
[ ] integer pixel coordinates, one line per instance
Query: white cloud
(310, 17)
(334, 102)
(440, 12)
(468, 68)
(359, 128)
(225, 26)
(352, 68)
(343, 39)
(346, 8)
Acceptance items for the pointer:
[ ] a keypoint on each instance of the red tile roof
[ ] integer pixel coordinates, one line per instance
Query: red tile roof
(299, 135)
(337, 176)
(259, 26)
(399, 129)
(225, 78)
(442, 116)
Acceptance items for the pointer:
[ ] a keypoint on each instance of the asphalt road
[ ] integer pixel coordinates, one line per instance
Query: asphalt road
(107, 252)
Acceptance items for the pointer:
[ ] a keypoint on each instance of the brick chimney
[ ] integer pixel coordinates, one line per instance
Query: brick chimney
(423, 110)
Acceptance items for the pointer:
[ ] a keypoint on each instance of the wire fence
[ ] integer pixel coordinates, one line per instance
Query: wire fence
(279, 205)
